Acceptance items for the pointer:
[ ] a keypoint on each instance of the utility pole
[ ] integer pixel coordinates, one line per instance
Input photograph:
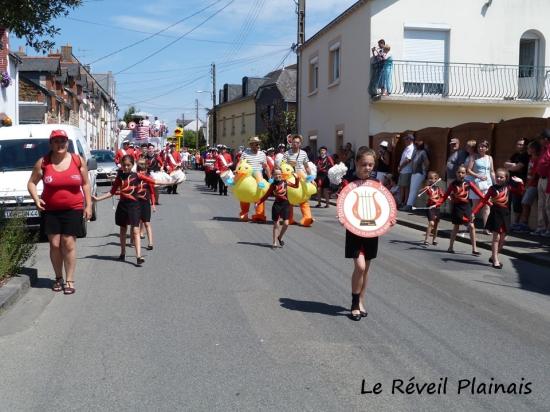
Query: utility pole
(214, 117)
(301, 12)
(197, 121)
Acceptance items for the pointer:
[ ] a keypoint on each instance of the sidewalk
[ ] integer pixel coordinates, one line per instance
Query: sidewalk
(535, 249)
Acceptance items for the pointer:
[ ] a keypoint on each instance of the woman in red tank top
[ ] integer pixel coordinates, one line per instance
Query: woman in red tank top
(65, 201)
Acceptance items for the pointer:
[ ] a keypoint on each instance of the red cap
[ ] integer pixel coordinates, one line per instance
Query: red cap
(58, 133)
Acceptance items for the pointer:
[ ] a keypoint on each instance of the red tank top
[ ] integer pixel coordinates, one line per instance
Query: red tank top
(62, 190)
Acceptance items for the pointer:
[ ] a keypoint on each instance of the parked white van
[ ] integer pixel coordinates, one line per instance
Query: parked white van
(20, 148)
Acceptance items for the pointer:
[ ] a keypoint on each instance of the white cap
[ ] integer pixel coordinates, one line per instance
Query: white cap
(384, 143)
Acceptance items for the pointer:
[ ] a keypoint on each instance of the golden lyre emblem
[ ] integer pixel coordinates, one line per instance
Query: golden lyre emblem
(366, 209)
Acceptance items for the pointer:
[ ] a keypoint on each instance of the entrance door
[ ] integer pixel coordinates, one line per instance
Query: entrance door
(528, 71)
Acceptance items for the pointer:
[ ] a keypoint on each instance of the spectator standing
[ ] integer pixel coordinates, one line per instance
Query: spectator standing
(385, 75)
(377, 63)
(482, 169)
(456, 158)
(405, 169)
(420, 167)
(64, 203)
(530, 195)
(384, 161)
(543, 187)
(517, 167)
(348, 157)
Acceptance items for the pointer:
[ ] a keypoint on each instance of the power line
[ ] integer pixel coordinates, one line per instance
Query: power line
(112, 26)
(176, 40)
(157, 33)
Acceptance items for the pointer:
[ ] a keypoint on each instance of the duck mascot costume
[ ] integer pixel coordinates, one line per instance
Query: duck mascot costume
(249, 187)
(300, 196)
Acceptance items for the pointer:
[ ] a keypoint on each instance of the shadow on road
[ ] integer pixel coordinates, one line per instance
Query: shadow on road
(226, 219)
(255, 244)
(313, 307)
(110, 258)
(467, 261)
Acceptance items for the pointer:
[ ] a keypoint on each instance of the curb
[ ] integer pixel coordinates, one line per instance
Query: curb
(16, 287)
(482, 245)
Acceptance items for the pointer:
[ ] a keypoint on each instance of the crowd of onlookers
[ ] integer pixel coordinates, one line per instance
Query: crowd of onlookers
(530, 162)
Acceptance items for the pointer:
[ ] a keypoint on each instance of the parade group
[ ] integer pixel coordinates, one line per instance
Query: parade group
(287, 174)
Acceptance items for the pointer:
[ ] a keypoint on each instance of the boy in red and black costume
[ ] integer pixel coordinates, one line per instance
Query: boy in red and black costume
(224, 162)
(461, 210)
(125, 150)
(498, 222)
(281, 206)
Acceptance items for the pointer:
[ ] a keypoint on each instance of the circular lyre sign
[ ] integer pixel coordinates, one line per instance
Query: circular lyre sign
(366, 208)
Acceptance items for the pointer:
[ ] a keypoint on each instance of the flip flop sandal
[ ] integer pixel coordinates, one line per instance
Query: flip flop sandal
(281, 242)
(69, 290)
(57, 285)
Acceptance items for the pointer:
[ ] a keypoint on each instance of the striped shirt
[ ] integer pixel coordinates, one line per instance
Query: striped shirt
(297, 160)
(255, 160)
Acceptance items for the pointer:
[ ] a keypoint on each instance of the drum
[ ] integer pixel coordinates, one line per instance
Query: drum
(227, 176)
(178, 176)
(366, 208)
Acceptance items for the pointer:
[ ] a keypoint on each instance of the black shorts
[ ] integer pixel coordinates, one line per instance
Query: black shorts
(280, 210)
(433, 214)
(323, 181)
(63, 222)
(128, 213)
(460, 213)
(145, 210)
(356, 245)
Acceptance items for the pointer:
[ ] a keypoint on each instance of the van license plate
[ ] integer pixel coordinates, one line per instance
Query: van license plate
(21, 213)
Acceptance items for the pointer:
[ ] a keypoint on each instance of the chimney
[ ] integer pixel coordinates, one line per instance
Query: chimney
(21, 51)
(67, 53)
(4, 50)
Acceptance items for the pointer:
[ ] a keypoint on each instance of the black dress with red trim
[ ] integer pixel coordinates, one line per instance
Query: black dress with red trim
(126, 185)
(357, 245)
(461, 210)
(499, 197)
(323, 164)
(435, 194)
(281, 206)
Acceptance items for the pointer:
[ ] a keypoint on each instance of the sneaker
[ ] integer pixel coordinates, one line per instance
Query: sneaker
(523, 228)
(546, 234)
(537, 232)
(515, 227)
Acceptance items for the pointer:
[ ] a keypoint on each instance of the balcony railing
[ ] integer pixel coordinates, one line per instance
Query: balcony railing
(460, 80)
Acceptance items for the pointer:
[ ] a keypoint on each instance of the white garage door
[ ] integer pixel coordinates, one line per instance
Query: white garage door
(429, 46)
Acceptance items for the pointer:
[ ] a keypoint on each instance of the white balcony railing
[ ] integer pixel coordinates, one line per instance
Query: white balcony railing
(460, 80)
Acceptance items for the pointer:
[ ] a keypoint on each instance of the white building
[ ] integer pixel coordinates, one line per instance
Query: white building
(9, 95)
(454, 62)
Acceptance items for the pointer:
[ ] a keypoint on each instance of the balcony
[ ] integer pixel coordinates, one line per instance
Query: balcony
(458, 83)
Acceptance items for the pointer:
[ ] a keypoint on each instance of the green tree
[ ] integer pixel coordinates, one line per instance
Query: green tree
(190, 139)
(282, 123)
(31, 19)
(128, 114)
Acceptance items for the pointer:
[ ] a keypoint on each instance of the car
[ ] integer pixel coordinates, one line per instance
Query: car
(106, 167)
(20, 147)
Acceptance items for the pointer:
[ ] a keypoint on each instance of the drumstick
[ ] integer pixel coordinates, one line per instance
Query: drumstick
(423, 208)
(426, 188)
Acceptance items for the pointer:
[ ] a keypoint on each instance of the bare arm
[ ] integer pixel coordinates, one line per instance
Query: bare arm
(493, 177)
(36, 176)
(86, 189)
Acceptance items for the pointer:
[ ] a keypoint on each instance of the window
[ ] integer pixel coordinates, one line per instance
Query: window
(243, 124)
(334, 63)
(233, 125)
(313, 74)
(527, 57)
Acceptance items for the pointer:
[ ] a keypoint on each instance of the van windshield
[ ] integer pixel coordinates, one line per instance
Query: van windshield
(22, 154)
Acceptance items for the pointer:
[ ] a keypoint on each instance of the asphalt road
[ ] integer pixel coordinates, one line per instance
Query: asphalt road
(217, 320)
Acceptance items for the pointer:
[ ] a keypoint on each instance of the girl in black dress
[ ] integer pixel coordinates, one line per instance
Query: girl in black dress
(498, 221)
(362, 250)
(128, 212)
(461, 210)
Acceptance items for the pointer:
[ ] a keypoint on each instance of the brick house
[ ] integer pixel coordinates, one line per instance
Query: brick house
(9, 63)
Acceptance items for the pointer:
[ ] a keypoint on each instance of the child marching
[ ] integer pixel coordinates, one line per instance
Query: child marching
(498, 222)
(128, 212)
(434, 194)
(280, 212)
(147, 201)
(461, 210)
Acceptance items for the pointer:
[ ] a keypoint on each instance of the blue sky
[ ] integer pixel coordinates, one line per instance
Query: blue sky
(243, 38)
